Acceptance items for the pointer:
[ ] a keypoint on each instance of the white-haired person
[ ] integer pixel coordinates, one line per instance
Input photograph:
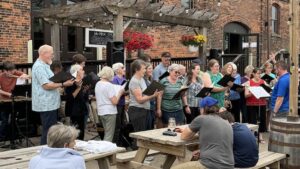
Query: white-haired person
(119, 79)
(235, 95)
(167, 106)
(45, 94)
(59, 151)
(76, 98)
(107, 98)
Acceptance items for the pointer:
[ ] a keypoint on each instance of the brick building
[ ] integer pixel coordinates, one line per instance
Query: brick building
(15, 29)
(237, 19)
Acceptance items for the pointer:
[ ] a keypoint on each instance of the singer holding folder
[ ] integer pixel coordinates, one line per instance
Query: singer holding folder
(45, 94)
(256, 108)
(211, 78)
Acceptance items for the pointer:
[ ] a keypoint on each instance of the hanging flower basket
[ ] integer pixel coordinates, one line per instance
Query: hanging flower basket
(196, 40)
(193, 48)
(137, 40)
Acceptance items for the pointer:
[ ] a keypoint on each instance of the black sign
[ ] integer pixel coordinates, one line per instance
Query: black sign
(98, 37)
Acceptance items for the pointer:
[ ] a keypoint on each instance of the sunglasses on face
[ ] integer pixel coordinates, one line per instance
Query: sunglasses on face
(177, 72)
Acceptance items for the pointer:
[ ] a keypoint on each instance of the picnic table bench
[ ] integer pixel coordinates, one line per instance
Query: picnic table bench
(19, 159)
(269, 159)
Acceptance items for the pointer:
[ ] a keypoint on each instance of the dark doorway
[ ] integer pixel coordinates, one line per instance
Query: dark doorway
(233, 43)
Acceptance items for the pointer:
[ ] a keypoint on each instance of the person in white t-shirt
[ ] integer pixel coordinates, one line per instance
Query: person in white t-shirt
(107, 97)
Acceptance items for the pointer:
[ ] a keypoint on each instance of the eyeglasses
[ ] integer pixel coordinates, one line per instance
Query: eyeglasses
(177, 72)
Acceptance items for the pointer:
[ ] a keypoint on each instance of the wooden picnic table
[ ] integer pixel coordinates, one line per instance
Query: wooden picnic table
(172, 146)
(19, 159)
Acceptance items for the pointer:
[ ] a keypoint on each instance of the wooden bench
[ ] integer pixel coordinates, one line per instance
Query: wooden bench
(19, 159)
(269, 159)
(128, 156)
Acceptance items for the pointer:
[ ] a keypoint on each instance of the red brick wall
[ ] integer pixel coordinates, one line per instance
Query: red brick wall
(252, 14)
(14, 30)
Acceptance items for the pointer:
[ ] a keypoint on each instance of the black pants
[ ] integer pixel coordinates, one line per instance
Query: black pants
(78, 121)
(48, 119)
(255, 113)
(236, 109)
(119, 124)
(194, 113)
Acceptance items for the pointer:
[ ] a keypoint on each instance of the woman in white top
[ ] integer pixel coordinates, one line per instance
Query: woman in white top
(107, 97)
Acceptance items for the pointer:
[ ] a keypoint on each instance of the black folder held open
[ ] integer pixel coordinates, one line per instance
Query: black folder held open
(205, 91)
(227, 78)
(61, 77)
(90, 79)
(237, 87)
(180, 93)
(267, 88)
(150, 90)
(267, 78)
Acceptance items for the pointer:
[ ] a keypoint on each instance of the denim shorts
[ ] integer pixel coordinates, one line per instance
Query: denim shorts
(177, 114)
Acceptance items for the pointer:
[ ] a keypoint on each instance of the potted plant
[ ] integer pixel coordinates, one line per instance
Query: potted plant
(136, 41)
(193, 41)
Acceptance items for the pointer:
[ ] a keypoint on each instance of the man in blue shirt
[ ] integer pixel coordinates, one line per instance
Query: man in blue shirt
(45, 96)
(163, 66)
(280, 94)
(244, 156)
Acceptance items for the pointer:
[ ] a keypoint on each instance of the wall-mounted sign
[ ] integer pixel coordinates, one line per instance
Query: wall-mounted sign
(97, 37)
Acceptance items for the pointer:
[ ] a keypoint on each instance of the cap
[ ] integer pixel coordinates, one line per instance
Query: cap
(208, 102)
(197, 61)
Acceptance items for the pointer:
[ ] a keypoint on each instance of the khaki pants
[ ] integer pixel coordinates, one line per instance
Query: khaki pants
(189, 165)
(109, 124)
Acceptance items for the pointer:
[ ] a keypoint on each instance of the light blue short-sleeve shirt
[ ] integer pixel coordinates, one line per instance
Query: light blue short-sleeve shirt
(43, 100)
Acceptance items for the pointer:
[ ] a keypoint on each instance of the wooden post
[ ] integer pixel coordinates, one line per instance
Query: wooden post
(294, 28)
(202, 51)
(55, 40)
(118, 27)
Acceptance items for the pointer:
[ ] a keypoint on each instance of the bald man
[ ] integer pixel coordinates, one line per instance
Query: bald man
(45, 94)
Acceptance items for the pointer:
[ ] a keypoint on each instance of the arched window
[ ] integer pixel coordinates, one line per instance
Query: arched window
(188, 4)
(275, 18)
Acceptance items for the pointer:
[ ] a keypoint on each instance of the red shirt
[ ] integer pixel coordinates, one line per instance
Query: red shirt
(7, 84)
(252, 100)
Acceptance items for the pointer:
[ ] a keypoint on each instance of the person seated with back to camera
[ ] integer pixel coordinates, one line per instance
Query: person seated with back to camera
(59, 151)
(215, 139)
(244, 156)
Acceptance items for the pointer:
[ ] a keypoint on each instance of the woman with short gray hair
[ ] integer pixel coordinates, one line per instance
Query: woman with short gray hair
(107, 98)
(59, 153)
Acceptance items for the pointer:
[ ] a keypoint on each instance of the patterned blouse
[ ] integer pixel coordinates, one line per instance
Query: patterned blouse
(194, 89)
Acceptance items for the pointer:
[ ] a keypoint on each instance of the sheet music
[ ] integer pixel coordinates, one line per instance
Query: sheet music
(259, 92)
(20, 81)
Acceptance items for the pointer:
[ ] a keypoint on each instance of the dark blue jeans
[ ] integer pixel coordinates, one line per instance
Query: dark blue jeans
(4, 124)
(48, 118)
(178, 115)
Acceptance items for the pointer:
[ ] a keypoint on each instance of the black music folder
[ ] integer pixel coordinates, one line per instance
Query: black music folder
(237, 87)
(90, 79)
(180, 93)
(205, 91)
(267, 78)
(153, 87)
(61, 77)
(227, 78)
(164, 75)
(267, 88)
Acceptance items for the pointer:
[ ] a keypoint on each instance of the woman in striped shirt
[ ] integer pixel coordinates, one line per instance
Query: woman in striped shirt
(167, 106)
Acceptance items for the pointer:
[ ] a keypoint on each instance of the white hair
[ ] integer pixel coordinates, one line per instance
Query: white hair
(75, 68)
(44, 48)
(60, 134)
(106, 73)
(234, 67)
(117, 66)
(173, 66)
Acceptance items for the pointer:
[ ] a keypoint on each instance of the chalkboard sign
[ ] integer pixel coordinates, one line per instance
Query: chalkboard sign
(97, 37)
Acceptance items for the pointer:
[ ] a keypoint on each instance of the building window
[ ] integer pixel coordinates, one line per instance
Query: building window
(275, 18)
(188, 4)
(154, 1)
(38, 33)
